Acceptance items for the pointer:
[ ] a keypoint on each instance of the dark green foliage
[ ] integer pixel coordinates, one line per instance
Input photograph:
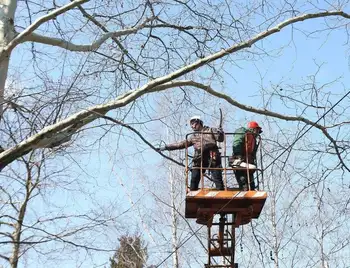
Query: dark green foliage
(131, 253)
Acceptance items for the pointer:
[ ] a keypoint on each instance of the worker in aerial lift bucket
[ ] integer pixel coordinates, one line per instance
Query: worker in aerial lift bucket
(245, 146)
(206, 151)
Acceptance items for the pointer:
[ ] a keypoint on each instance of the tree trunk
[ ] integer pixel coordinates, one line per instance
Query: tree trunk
(7, 33)
(274, 255)
(174, 220)
(16, 236)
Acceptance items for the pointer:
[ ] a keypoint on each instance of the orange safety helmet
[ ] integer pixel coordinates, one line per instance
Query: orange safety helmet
(254, 124)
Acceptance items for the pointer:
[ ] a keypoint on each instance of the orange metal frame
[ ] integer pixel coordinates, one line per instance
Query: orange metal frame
(205, 203)
(224, 157)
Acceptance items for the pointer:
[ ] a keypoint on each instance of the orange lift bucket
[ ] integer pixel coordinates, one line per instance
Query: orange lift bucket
(234, 206)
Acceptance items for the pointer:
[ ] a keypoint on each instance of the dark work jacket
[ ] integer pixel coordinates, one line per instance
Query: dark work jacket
(203, 141)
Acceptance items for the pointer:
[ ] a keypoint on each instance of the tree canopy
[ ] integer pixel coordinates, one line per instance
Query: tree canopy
(89, 89)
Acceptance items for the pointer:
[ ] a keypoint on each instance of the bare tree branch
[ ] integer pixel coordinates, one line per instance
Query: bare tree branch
(82, 48)
(140, 136)
(275, 115)
(20, 37)
(4, 257)
(155, 85)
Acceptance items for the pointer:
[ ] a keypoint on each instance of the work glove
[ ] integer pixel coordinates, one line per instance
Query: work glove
(235, 160)
(160, 149)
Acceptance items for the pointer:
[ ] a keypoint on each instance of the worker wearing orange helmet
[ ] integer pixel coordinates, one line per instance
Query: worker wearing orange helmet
(206, 152)
(244, 150)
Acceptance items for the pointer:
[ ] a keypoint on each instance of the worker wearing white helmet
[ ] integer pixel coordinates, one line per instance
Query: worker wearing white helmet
(206, 152)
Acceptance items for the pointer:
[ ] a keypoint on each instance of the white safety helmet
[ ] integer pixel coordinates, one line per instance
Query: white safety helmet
(196, 118)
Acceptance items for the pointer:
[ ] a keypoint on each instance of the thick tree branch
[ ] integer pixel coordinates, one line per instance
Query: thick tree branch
(272, 114)
(158, 84)
(31, 28)
(82, 48)
(84, 117)
(99, 112)
(246, 44)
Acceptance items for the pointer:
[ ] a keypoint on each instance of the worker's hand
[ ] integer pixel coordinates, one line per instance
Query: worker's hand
(235, 160)
(160, 149)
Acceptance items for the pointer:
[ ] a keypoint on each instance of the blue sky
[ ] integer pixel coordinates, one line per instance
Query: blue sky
(108, 170)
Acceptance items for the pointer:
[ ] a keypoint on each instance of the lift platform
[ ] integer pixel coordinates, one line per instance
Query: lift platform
(224, 210)
(203, 204)
(235, 208)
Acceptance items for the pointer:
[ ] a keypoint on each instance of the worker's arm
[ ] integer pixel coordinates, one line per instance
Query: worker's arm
(176, 145)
